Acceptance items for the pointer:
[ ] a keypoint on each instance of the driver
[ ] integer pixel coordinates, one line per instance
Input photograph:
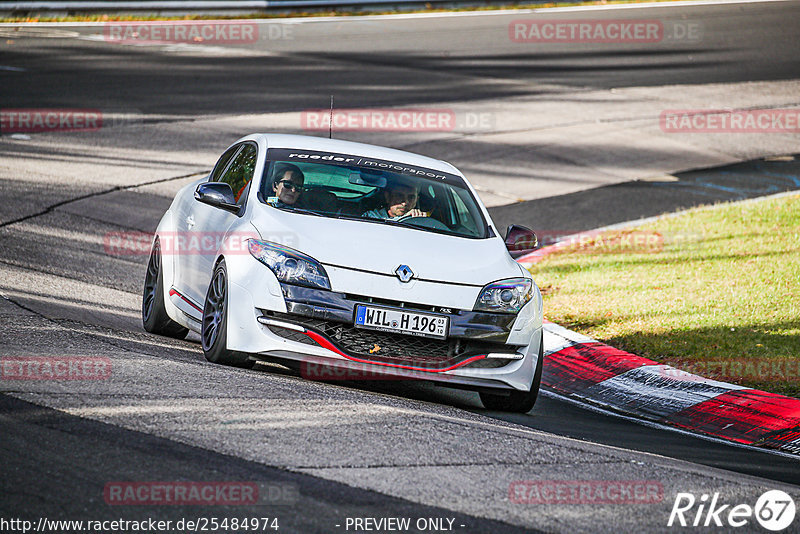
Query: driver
(287, 186)
(401, 201)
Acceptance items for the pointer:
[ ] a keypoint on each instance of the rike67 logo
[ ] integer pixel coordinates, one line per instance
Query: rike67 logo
(774, 511)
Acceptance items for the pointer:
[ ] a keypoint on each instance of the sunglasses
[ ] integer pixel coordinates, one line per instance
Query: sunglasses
(291, 185)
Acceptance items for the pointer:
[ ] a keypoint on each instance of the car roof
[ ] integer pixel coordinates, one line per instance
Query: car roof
(339, 146)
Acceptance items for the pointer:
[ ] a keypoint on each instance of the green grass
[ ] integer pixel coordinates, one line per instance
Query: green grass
(427, 8)
(723, 290)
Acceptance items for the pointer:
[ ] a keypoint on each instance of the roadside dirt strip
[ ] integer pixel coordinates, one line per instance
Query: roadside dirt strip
(583, 368)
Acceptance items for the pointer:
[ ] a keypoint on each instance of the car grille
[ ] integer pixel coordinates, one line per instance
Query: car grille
(388, 347)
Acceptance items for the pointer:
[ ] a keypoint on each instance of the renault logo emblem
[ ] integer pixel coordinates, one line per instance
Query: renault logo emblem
(404, 273)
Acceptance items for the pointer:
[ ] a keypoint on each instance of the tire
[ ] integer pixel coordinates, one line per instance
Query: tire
(214, 331)
(517, 401)
(154, 314)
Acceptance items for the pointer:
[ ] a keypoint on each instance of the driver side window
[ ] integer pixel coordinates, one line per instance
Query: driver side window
(240, 171)
(222, 164)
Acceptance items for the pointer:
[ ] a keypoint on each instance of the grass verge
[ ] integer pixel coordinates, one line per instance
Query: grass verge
(714, 291)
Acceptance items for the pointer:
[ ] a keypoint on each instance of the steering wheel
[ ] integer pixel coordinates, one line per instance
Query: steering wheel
(423, 222)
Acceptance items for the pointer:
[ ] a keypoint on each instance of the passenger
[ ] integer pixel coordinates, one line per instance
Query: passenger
(287, 186)
(401, 201)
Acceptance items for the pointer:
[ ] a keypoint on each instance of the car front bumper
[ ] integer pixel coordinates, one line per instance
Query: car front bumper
(271, 320)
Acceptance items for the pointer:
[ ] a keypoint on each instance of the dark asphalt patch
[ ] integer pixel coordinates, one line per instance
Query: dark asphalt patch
(56, 465)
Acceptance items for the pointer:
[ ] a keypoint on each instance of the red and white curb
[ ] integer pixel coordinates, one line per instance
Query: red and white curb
(582, 368)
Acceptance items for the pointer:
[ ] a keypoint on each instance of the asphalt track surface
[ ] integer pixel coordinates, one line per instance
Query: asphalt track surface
(396, 449)
(431, 60)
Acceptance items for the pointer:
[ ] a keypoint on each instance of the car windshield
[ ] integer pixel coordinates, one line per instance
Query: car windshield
(378, 191)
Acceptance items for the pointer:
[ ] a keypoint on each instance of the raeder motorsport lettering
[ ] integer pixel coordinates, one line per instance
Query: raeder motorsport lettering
(280, 154)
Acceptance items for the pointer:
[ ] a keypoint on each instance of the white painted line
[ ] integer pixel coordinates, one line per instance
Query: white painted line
(554, 343)
(567, 334)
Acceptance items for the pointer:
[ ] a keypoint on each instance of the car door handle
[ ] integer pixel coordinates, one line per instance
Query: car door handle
(190, 221)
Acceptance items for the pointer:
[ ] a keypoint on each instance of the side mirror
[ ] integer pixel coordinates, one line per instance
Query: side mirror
(217, 194)
(520, 240)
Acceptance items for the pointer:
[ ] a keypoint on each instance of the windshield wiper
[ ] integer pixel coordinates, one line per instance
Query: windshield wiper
(303, 210)
(372, 219)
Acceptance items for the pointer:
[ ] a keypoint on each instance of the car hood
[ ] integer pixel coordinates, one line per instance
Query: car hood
(380, 248)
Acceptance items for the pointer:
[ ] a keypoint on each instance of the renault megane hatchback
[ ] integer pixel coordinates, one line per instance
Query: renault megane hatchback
(329, 254)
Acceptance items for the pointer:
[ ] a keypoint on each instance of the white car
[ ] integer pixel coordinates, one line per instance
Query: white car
(323, 254)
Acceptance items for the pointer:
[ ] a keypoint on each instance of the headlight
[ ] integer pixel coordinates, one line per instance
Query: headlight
(505, 296)
(289, 265)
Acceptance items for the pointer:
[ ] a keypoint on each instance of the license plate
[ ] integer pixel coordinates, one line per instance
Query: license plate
(402, 322)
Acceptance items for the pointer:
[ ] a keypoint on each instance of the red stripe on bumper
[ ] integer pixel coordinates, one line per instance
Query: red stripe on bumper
(187, 301)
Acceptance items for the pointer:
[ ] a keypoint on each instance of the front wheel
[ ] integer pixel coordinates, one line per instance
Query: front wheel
(517, 401)
(214, 331)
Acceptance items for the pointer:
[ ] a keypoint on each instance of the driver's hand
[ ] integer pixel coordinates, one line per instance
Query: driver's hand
(416, 213)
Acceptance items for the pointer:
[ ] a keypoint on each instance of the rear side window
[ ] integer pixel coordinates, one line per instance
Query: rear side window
(240, 171)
